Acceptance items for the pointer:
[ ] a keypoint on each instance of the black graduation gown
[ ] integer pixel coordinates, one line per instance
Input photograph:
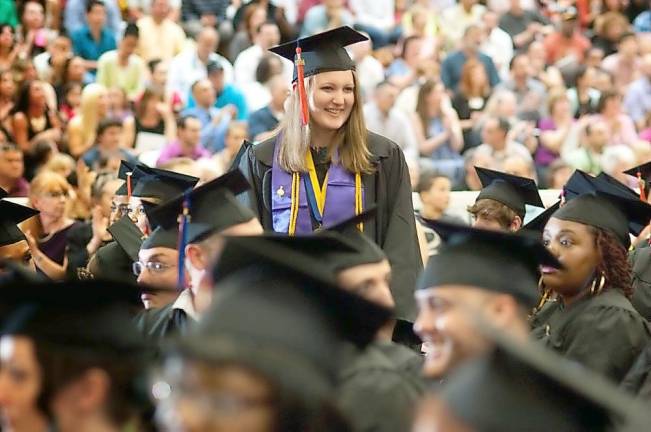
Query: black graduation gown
(157, 325)
(380, 387)
(394, 228)
(640, 260)
(638, 379)
(604, 332)
(78, 238)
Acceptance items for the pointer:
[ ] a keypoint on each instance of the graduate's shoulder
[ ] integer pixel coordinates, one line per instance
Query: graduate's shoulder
(381, 146)
(263, 152)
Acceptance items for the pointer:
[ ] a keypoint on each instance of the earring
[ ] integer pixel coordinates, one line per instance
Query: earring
(594, 289)
(546, 293)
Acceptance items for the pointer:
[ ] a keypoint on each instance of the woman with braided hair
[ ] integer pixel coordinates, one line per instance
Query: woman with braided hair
(587, 315)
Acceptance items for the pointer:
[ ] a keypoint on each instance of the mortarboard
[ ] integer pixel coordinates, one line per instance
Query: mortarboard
(643, 175)
(161, 237)
(115, 260)
(212, 207)
(617, 213)
(128, 236)
(11, 214)
(280, 312)
(495, 261)
(537, 224)
(160, 184)
(520, 386)
(510, 190)
(125, 172)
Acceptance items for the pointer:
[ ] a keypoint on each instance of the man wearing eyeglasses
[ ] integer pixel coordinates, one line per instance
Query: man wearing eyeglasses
(12, 170)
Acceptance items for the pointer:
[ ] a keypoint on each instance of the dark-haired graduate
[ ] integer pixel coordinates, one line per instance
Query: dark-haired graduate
(323, 165)
(588, 316)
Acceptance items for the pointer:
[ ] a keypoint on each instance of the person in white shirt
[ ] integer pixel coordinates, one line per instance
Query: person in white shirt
(160, 37)
(367, 66)
(376, 17)
(383, 118)
(497, 145)
(190, 65)
(455, 20)
(266, 36)
(497, 44)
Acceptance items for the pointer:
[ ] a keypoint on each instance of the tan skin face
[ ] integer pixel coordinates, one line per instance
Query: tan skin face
(574, 246)
(190, 135)
(235, 138)
(20, 385)
(11, 164)
(18, 252)
(445, 323)
(370, 281)
(51, 203)
(438, 195)
(235, 400)
(485, 222)
(333, 98)
(164, 278)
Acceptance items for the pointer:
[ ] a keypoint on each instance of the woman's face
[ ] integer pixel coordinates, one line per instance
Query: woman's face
(76, 69)
(33, 16)
(73, 97)
(562, 108)
(333, 97)
(116, 98)
(102, 103)
(51, 203)
(6, 37)
(234, 400)
(37, 94)
(433, 100)
(7, 85)
(613, 106)
(438, 195)
(573, 244)
(258, 17)
(20, 382)
(159, 76)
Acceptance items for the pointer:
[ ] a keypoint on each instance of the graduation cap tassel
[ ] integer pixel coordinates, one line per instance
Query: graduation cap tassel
(641, 184)
(300, 82)
(129, 185)
(183, 240)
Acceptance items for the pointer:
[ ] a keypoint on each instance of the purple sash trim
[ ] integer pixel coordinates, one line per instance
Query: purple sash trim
(340, 197)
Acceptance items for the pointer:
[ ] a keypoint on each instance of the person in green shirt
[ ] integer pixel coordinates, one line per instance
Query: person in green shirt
(123, 68)
(8, 14)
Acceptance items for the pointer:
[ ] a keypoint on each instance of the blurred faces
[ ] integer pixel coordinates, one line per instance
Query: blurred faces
(11, 163)
(203, 93)
(518, 166)
(597, 136)
(333, 97)
(6, 36)
(520, 68)
(159, 76)
(567, 27)
(369, 281)
(493, 135)
(385, 97)
(18, 252)
(236, 135)
(160, 9)
(36, 94)
(190, 134)
(279, 92)
(96, 17)
(51, 204)
(158, 269)
(76, 69)
(628, 47)
(128, 45)
(268, 36)
(20, 385)
(472, 39)
(33, 15)
(207, 41)
(437, 197)
(110, 138)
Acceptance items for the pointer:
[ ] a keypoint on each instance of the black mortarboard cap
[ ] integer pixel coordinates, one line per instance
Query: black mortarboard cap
(537, 224)
(491, 260)
(322, 52)
(520, 386)
(161, 185)
(617, 213)
(213, 207)
(644, 171)
(510, 190)
(579, 182)
(11, 214)
(161, 237)
(607, 183)
(280, 312)
(3, 193)
(125, 170)
(128, 236)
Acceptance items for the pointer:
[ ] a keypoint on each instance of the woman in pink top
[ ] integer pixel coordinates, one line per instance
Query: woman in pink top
(622, 128)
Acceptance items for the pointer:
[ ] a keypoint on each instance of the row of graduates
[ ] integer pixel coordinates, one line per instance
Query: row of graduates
(295, 333)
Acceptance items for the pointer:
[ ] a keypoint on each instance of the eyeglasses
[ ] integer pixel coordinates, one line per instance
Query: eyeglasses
(57, 194)
(125, 209)
(152, 266)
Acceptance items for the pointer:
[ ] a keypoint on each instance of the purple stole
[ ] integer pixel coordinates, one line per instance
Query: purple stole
(339, 204)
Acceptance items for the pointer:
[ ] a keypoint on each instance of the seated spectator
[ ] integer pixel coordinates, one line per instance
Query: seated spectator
(33, 121)
(266, 36)
(32, 26)
(567, 43)
(275, 14)
(555, 130)
(95, 38)
(583, 96)
(235, 135)
(452, 66)
(367, 66)
(140, 8)
(438, 132)
(530, 93)
(12, 170)
(119, 106)
(497, 43)
(470, 99)
(158, 71)
(402, 72)
(377, 19)
(257, 94)
(49, 64)
(622, 128)
(7, 96)
(228, 95)
(122, 68)
(49, 193)
(243, 38)
(81, 129)
(471, 159)
(73, 71)
(497, 145)
(558, 174)
(383, 118)
(214, 122)
(608, 31)
(70, 101)
(190, 65)
(188, 142)
(547, 74)
(160, 37)
(107, 149)
(625, 64)
(325, 16)
(524, 25)
(153, 115)
(9, 46)
(615, 160)
(638, 96)
(75, 15)
(263, 121)
(519, 166)
(198, 14)
(587, 158)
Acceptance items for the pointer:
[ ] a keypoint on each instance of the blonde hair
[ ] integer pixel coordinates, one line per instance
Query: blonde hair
(354, 154)
(88, 110)
(48, 181)
(59, 163)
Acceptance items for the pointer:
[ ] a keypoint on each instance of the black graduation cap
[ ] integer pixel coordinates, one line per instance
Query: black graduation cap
(537, 224)
(617, 213)
(91, 317)
(161, 237)
(510, 190)
(495, 261)
(521, 386)
(280, 312)
(158, 184)
(213, 207)
(11, 214)
(643, 171)
(125, 171)
(608, 183)
(3, 193)
(322, 52)
(128, 236)
(578, 183)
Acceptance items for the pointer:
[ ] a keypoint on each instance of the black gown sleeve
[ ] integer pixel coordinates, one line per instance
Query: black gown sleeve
(78, 238)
